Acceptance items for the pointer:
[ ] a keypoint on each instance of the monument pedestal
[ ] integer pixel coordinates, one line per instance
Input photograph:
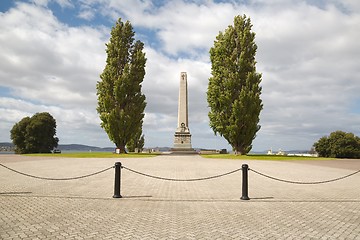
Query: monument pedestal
(182, 143)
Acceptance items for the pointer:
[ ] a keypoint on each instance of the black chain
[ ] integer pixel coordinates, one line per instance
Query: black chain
(56, 179)
(298, 182)
(181, 180)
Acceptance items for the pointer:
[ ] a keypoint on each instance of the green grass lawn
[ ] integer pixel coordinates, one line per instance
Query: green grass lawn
(144, 155)
(263, 157)
(93, 155)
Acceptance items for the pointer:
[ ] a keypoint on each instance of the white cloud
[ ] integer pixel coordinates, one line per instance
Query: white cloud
(48, 61)
(52, 67)
(74, 125)
(86, 14)
(62, 3)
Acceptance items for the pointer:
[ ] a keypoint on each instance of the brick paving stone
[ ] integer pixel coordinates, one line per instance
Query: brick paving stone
(156, 209)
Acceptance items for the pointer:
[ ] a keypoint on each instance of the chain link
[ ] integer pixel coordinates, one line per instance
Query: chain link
(56, 179)
(298, 182)
(181, 180)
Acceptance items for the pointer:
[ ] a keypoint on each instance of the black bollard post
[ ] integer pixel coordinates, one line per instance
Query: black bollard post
(245, 194)
(117, 180)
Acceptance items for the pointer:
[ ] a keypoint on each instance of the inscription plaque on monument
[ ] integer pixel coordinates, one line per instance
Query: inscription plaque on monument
(182, 137)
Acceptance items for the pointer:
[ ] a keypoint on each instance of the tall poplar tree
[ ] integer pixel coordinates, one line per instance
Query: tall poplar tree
(121, 103)
(234, 89)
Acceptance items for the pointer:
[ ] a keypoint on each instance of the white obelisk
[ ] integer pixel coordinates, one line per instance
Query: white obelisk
(182, 139)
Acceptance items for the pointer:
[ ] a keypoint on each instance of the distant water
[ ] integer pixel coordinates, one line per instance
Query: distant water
(7, 152)
(63, 151)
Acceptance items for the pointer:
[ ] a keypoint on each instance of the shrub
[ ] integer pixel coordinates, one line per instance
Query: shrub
(35, 134)
(338, 145)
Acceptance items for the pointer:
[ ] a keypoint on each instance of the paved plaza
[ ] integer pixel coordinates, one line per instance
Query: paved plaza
(158, 209)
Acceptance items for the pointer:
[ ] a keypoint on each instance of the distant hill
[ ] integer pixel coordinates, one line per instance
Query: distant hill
(6, 144)
(65, 147)
(83, 148)
(6, 147)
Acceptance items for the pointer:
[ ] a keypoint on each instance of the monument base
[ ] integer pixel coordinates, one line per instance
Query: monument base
(182, 140)
(183, 151)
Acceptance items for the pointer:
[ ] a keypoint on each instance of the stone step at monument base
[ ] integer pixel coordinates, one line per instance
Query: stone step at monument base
(183, 151)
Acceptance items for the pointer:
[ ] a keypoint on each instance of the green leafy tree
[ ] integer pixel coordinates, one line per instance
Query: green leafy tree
(18, 135)
(121, 103)
(137, 142)
(322, 147)
(35, 134)
(338, 145)
(234, 89)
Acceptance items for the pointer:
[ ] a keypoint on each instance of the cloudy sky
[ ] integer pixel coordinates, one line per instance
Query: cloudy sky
(53, 51)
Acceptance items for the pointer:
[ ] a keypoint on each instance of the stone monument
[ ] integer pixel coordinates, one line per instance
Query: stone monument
(182, 140)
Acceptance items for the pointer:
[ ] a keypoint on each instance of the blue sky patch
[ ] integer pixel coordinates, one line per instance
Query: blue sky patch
(6, 4)
(71, 15)
(355, 106)
(5, 92)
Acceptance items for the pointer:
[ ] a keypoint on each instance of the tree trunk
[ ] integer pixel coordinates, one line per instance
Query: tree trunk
(239, 151)
(121, 148)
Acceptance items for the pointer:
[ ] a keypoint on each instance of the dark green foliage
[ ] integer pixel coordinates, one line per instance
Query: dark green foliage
(18, 135)
(35, 134)
(137, 142)
(120, 101)
(338, 145)
(234, 89)
(322, 147)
